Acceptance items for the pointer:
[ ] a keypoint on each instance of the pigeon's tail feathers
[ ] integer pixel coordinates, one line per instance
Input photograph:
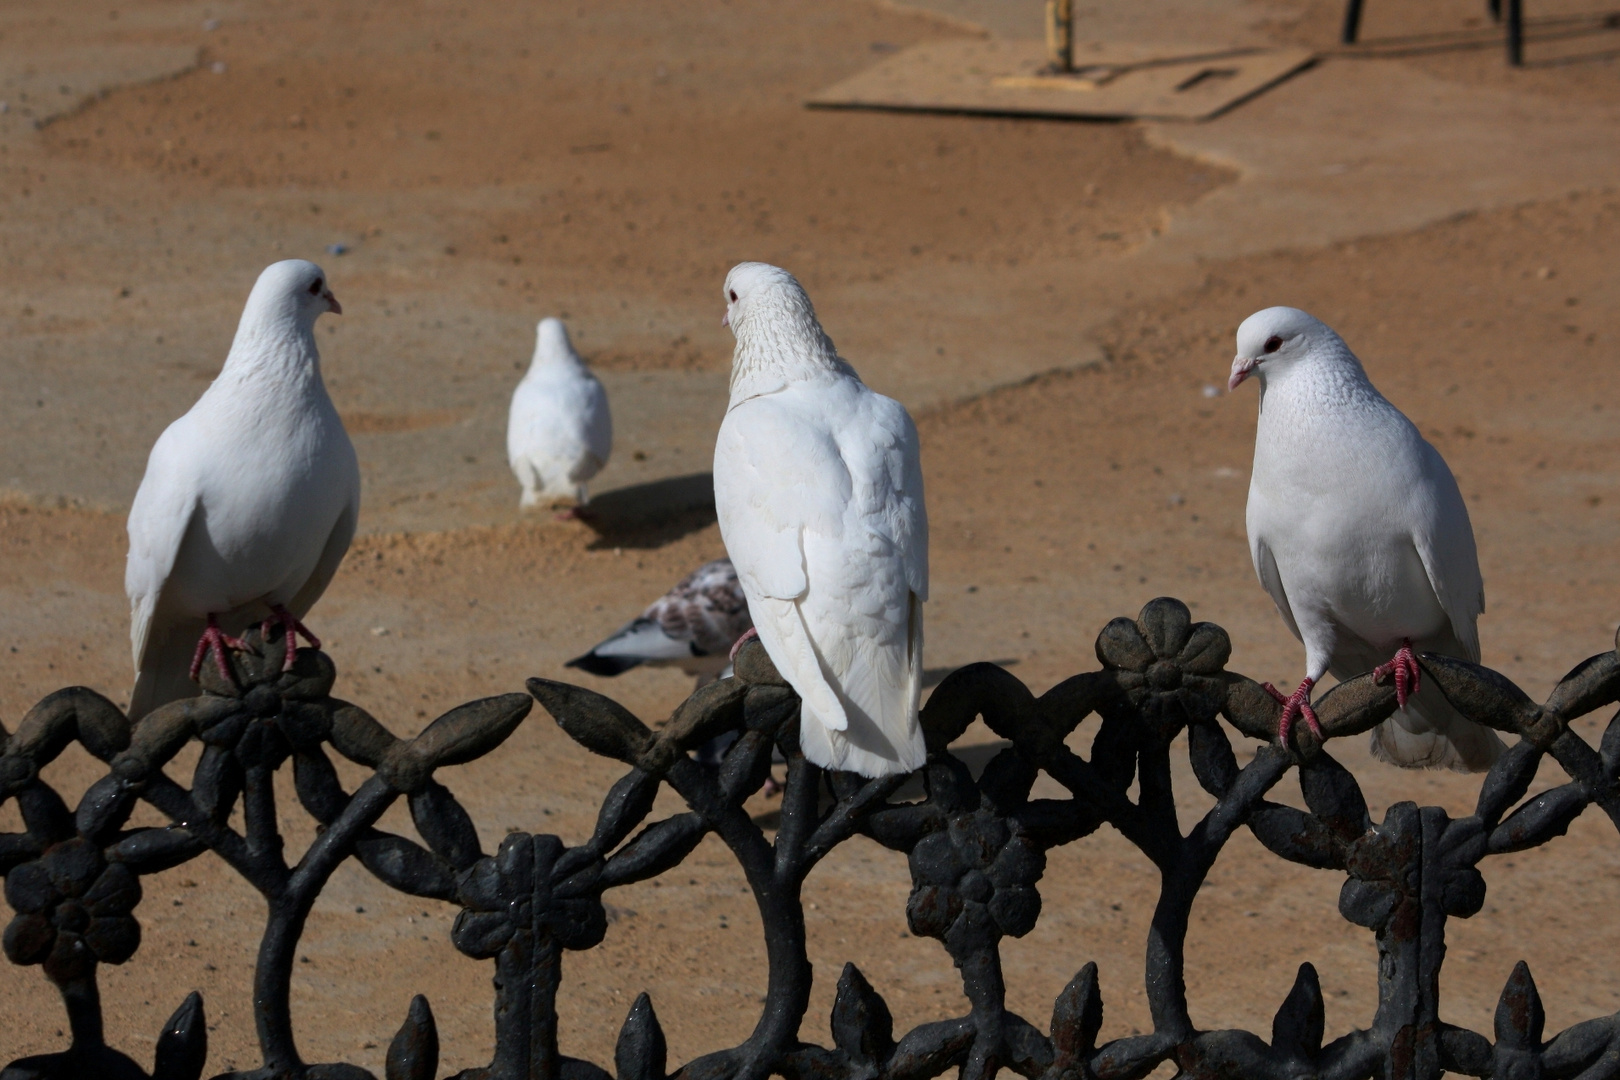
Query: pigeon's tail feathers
(163, 671)
(594, 663)
(788, 643)
(554, 476)
(641, 641)
(1430, 734)
(881, 735)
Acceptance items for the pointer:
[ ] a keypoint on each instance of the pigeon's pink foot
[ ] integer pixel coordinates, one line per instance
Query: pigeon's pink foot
(772, 788)
(1296, 705)
(1404, 666)
(745, 639)
(291, 628)
(218, 640)
(576, 513)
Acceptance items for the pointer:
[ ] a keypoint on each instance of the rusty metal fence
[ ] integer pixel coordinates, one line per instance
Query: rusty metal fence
(976, 851)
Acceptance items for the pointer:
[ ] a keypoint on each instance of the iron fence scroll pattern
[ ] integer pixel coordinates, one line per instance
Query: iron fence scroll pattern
(976, 850)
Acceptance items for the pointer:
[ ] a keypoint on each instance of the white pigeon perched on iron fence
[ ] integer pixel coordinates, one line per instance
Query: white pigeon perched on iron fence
(692, 627)
(559, 432)
(818, 488)
(1361, 537)
(249, 501)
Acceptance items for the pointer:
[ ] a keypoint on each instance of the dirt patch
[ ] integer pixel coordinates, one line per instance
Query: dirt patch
(366, 423)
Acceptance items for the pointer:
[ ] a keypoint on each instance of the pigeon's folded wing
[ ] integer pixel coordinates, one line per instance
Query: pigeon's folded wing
(1445, 542)
(1265, 567)
(775, 477)
(598, 421)
(908, 518)
(158, 521)
(337, 546)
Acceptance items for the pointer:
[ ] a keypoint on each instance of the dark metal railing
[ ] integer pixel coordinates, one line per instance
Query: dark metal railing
(976, 850)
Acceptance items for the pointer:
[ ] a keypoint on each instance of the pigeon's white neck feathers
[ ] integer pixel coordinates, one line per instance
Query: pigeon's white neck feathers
(779, 338)
(274, 352)
(275, 341)
(1309, 362)
(552, 346)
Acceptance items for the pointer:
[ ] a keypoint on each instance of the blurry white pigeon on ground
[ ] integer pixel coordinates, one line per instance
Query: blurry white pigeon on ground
(692, 627)
(818, 488)
(249, 500)
(1361, 537)
(559, 432)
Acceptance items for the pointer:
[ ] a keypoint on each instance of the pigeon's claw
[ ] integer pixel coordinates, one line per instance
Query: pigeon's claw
(1404, 667)
(213, 638)
(291, 628)
(740, 642)
(1295, 706)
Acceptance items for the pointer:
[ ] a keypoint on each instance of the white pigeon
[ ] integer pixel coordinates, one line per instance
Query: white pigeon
(692, 627)
(818, 488)
(1361, 537)
(559, 433)
(249, 500)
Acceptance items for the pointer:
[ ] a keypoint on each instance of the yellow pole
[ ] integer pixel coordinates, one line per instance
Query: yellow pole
(1060, 34)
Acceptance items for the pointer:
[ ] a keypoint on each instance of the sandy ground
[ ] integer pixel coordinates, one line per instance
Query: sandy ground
(487, 164)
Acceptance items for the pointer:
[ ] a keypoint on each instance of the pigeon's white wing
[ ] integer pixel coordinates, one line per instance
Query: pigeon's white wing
(867, 584)
(775, 476)
(640, 641)
(337, 546)
(598, 418)
(1444, 539)
(1265, 567)
(164, 506)
(900, 462)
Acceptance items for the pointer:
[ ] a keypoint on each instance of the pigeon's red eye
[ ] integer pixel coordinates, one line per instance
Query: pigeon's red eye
(1273, 343)
(733, 296)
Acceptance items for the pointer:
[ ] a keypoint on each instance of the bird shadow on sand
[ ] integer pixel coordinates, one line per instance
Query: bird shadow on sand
(653, 514)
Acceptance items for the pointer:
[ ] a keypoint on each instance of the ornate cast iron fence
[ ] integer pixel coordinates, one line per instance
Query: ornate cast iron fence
(976, 850)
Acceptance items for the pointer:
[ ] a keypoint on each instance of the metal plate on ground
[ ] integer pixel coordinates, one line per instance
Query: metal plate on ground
(1111, 80)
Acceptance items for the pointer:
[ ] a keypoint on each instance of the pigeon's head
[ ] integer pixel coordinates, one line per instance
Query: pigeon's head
(551, 342)
(295, 289)
(1274, 340)
(756, 291)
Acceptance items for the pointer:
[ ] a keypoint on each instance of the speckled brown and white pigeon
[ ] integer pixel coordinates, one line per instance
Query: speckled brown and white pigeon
(691, 627)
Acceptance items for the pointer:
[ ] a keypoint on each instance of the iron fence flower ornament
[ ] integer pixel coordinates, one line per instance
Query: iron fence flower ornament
(511, 893)
(1168, 666)
(976, 847)
(974, 881)
(73, 910)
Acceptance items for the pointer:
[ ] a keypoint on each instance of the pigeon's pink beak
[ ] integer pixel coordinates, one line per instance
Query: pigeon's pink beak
(725, 320)
(331, 303)
(1242, 368)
